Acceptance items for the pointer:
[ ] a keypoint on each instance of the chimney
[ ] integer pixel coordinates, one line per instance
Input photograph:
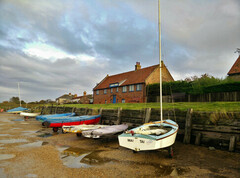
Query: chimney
(137, 66)
(70, 94)
(84, 93)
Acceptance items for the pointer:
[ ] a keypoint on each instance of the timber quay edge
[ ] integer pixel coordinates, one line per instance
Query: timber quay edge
(220, 130)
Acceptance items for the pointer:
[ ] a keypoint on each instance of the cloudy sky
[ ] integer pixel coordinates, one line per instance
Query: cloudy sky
(53, 47)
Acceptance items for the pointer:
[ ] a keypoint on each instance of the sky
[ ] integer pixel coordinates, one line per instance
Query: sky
(55, 47)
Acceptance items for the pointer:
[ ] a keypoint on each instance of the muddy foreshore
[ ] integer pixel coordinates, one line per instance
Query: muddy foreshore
(28, 150)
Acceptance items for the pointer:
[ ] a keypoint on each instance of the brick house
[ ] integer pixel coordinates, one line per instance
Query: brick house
(129, 87)
(234, 72)
(85, 99)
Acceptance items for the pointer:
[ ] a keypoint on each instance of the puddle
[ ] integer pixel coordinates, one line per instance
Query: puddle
(6, 156)
(29, 133)
(34, 144)
(77, 158)
(31, 175)
(13, 141)
(3, 135)
(45, 135)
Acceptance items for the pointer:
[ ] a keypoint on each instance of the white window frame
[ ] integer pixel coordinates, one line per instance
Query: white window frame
(117, 89)
(97, 92)
(131, 88)
(124, 89)
(111, 90)
(105, 91)
(139, 87)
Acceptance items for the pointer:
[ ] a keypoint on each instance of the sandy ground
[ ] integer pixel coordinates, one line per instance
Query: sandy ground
(23, 153)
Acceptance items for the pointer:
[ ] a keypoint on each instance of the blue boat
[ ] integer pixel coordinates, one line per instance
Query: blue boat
(42, 118)
(58, 122)
(17, 110)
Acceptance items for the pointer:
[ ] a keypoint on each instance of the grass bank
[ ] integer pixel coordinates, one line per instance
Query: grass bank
(197, 106)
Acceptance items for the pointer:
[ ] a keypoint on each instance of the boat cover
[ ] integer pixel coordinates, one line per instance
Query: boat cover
(106, 130)
(17, 109)
(45, 117)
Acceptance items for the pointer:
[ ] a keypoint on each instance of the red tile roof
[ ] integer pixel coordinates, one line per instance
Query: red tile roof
(127, 78)
(235, 68)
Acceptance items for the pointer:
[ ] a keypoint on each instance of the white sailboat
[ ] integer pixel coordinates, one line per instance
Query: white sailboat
(153, 135)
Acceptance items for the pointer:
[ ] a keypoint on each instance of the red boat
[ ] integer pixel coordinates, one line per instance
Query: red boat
(75, 120)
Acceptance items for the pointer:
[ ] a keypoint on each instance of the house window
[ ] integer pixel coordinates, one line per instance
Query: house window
(111, 90)
(124, 89)
(123, 100)
(105, 101)
(117, 89)
(139, 87)
(97, 92)
(131, 87)
(105, 91)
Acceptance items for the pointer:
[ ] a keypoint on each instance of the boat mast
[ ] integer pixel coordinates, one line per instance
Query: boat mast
(19, 94)
(160, 58)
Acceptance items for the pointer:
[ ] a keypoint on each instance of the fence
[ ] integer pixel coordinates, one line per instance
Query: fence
(207, 97)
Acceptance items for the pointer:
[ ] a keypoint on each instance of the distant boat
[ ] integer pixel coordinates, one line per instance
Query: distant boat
(28, 114)
(105, 131)
(58, 122)
(17, 110)
(42, 118)
(78, 129)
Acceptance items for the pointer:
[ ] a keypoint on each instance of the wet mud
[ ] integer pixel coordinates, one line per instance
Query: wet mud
(28, 149)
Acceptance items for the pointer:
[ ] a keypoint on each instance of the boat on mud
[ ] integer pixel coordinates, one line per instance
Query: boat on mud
(153, 135)
(105, 131)
(150, 136)
(59, 122)
(29, 114)
(78, 129)
(42, 118)
(17, 110)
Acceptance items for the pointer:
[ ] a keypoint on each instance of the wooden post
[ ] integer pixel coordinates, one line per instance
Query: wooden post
(148, 115)
(73, 109)
(56, 110)
(209, 97)
(188, 127)
(232, 143)
(100, 111)
(189, 98)
(198, 139)
(42, 110)
(119, 115)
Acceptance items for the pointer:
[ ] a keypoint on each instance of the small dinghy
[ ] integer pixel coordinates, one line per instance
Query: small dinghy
(150, 136)
(17, 110)
(28, 114)
(77, 129)
(42, 118)
(106, 131)
(58, 122)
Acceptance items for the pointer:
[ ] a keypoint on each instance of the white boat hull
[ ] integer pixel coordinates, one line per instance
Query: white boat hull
(26, 114)
(143, 144)
(144, 138)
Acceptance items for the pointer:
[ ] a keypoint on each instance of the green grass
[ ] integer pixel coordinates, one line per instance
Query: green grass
(197, 106)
